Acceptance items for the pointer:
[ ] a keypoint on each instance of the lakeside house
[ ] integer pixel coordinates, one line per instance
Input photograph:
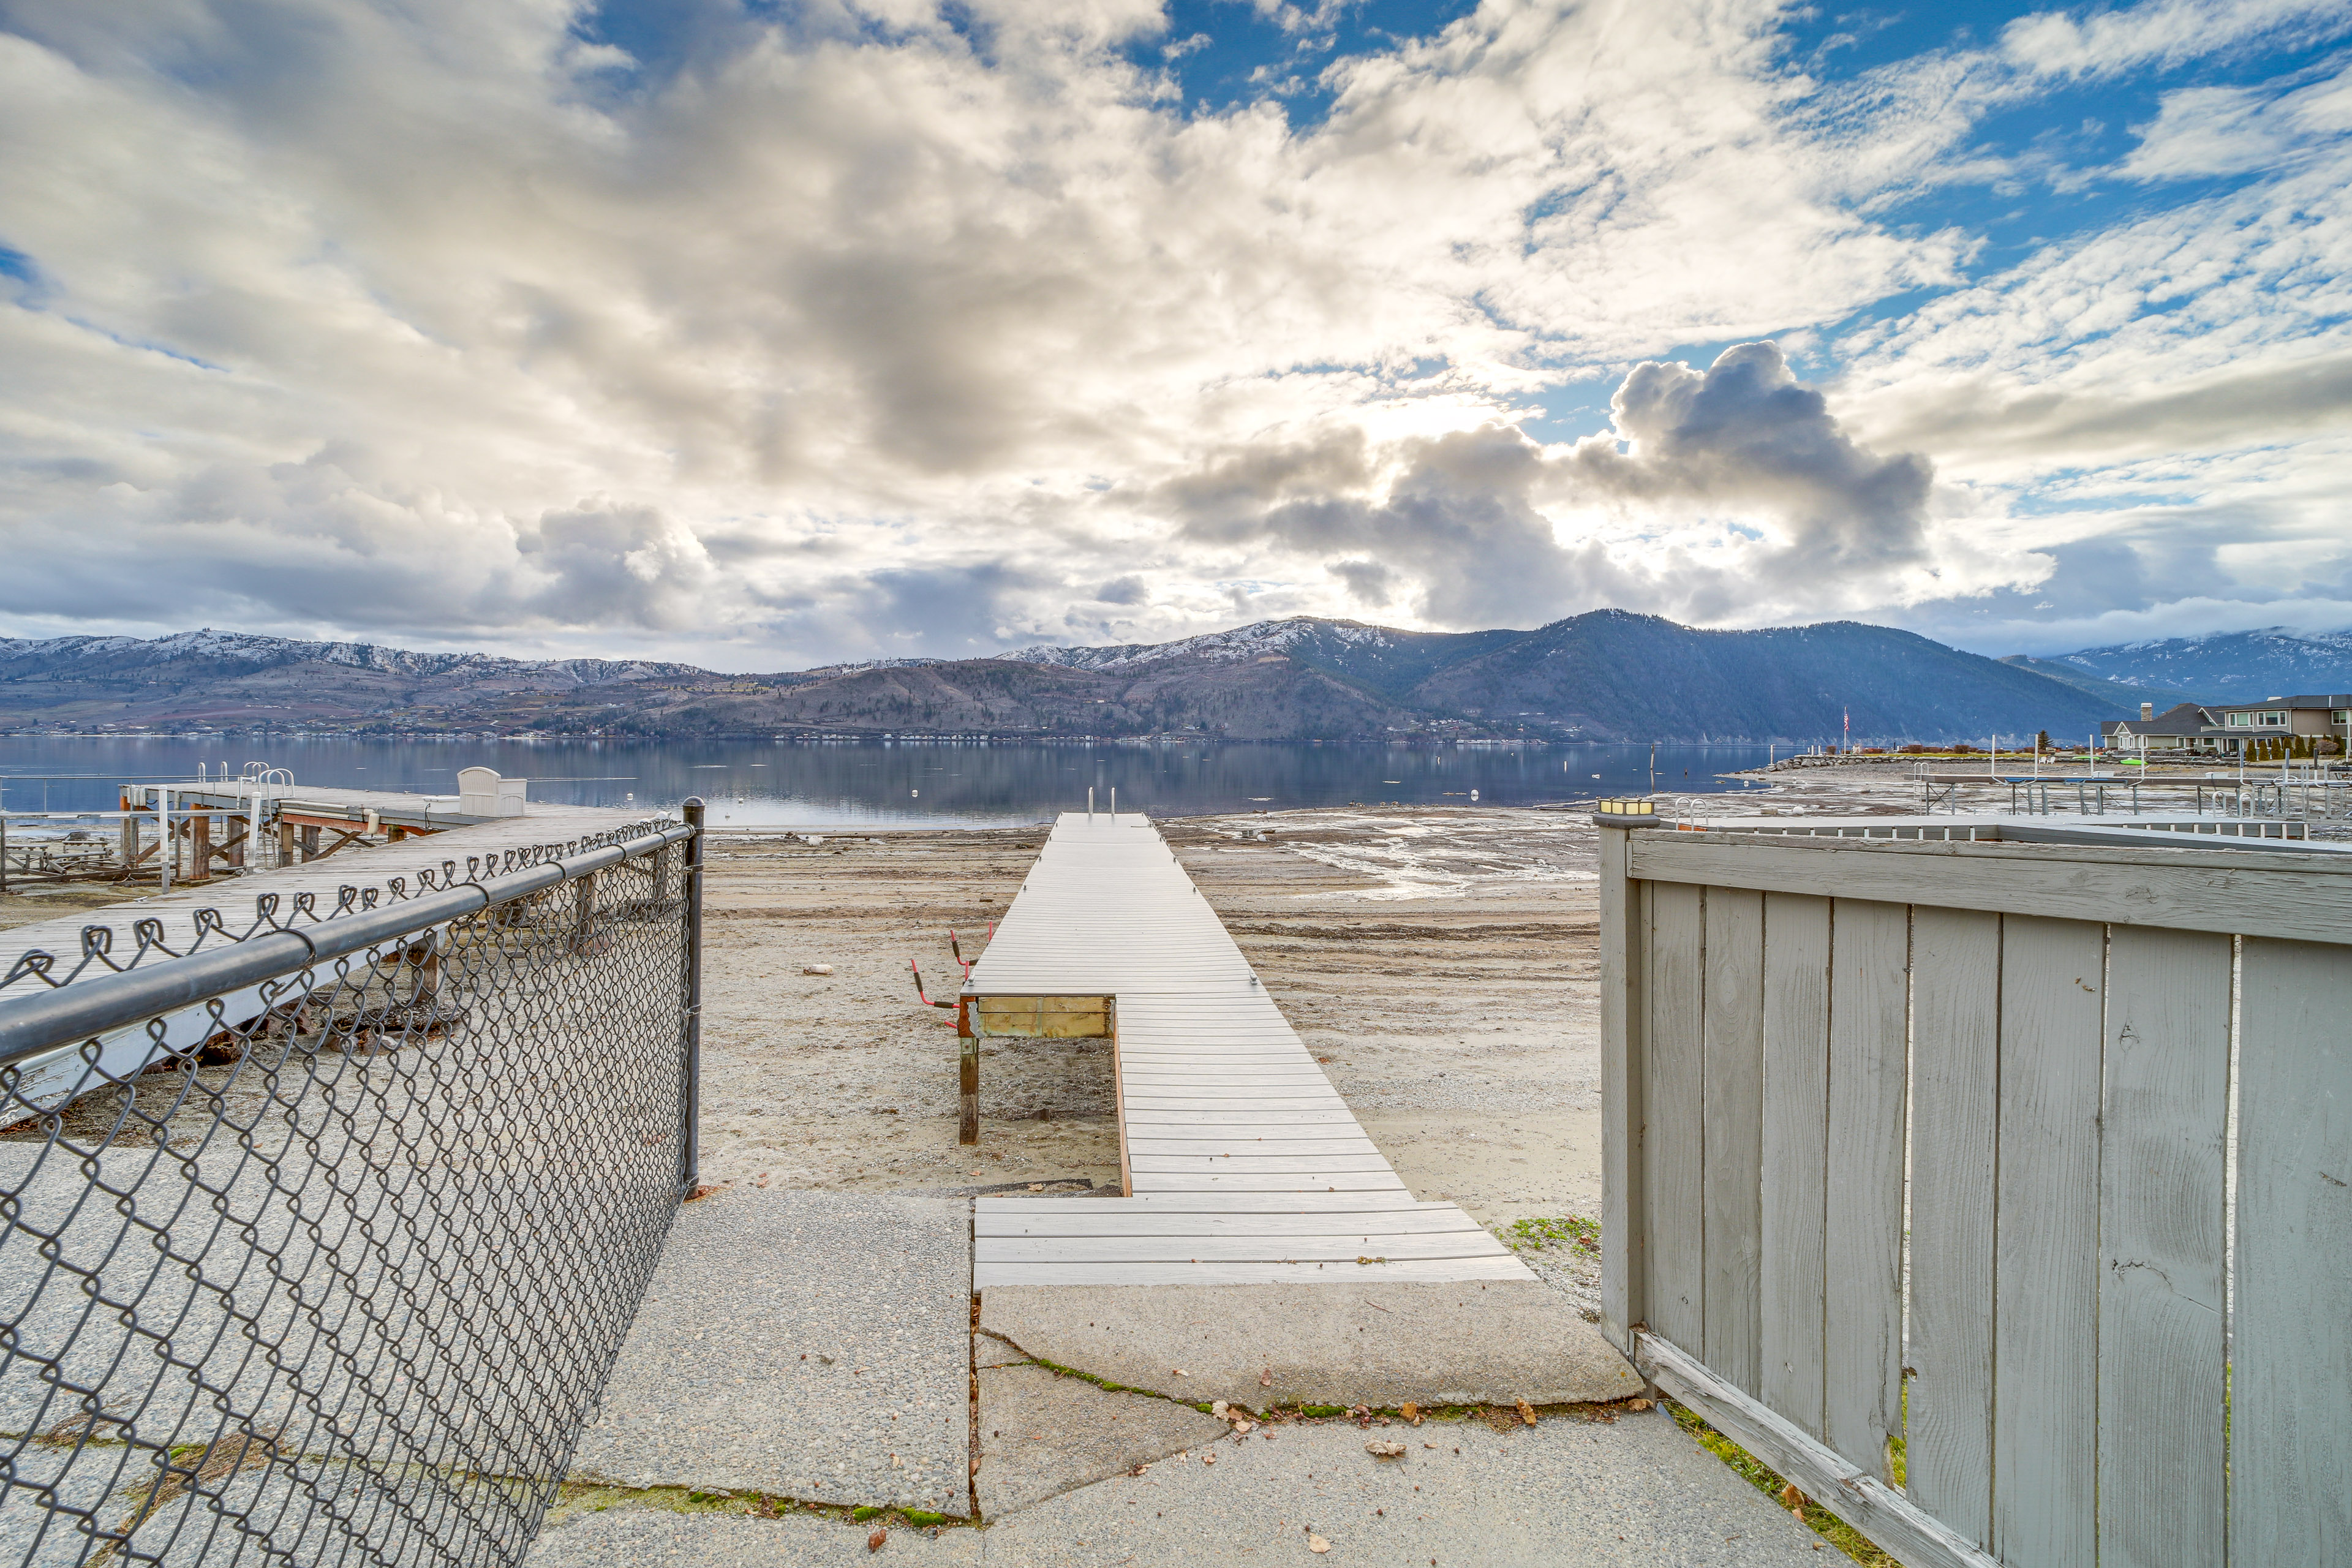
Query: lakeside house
(2225, 729)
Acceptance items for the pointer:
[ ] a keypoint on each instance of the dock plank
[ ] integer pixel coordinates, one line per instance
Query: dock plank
(1242, 1162)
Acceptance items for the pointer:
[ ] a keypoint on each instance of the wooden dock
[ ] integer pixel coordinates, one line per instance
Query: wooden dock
(1241, 1164)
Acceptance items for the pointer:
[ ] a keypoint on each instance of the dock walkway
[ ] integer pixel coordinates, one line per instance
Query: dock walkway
(1242, 1164)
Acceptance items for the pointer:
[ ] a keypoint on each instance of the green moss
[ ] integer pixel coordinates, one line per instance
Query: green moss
(1571, 1230)
(1322, 1410)
(917, 1517)
(1828, 1526)
(862, 1514)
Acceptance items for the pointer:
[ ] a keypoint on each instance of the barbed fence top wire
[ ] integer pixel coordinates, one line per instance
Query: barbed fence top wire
(35, 968)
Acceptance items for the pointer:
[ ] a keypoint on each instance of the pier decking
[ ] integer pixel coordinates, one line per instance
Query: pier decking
(1242, 1164)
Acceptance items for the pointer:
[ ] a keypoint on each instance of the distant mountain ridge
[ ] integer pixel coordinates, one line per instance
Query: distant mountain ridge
(2101, 687)
(21, 658)
(1610, 675)
(2226, 667)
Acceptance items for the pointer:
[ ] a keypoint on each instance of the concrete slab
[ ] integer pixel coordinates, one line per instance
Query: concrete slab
(802, 1344)
(1637, 1493)
(1041, 1435)
(1459, 1343)
(988, 1350)
(626, 1537)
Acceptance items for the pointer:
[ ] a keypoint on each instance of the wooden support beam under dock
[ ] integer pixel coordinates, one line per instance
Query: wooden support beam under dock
(1241, 1163)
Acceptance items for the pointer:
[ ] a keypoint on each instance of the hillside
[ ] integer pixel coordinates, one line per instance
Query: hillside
(1606, 675)
(2227, 667)
(2106, 689)
(1625, 676)
(230, 679)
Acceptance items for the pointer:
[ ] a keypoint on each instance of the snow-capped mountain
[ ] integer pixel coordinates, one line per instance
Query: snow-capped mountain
(216, 651)
(1253, 641)
(2230, 667)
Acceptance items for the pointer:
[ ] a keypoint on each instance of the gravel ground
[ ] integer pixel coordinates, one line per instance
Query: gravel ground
(812, 1345)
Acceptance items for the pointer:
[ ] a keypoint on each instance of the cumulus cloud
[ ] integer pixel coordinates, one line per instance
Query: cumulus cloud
(784, 334)
(1732, 492)
(1746, 433)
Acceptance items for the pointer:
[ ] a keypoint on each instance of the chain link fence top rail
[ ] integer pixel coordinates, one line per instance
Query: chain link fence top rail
(322, 1232)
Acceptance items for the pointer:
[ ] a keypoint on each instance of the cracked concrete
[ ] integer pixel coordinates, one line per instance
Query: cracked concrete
(1041, 1435)
(1467, 1344)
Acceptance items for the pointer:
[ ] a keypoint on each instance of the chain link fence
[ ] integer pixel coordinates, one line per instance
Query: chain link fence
(321, 1236)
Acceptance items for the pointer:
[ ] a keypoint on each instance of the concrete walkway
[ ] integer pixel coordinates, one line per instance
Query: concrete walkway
(714, 1417)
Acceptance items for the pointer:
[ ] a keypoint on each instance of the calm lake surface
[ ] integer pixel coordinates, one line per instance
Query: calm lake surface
(903, 784)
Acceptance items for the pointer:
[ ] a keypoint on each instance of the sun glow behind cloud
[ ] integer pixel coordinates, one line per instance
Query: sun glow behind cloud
(762, 335)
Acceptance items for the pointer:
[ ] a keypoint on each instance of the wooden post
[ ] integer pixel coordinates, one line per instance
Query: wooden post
(200, 847)
(311, 842)
(1623, 1256)
(968, 1073)
(233, 852)
(286, 844)
(127, 838)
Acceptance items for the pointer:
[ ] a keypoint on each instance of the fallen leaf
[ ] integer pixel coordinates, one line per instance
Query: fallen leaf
(1207, 1459)
(1637, 1404)
(1220, 1409)
(1527, 1413)
(874, 1541)
(1793, 1500)
(1411, 1412)
(1244, 1428)
(1265, 1378)
(816, 969)
(1380, 1451)
(1316, 1543)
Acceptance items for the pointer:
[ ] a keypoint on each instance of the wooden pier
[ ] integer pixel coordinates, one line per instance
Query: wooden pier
(1240, 1163)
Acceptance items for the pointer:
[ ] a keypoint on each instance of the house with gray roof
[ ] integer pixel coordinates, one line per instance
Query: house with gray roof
(2225, 729)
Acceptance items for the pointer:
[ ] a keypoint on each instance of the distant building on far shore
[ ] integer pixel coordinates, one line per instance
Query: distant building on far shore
(2225, 729)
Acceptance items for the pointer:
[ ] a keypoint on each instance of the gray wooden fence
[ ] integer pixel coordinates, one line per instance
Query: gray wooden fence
(2036, 1157)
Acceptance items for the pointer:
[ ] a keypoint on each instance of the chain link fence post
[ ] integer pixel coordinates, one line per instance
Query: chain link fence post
(689, 1111)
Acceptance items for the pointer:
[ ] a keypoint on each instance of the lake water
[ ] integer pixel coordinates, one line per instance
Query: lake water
(884, 784)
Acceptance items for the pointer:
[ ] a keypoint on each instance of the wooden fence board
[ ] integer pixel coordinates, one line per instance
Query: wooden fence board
(1672, 1073)
(1795, 1143)
(2236, 891)
(2161, 1464)
(1863, 1236)
(1955, 1121)
(2046, 1252)
(1732, 1096)
(1624, 1225)
(2289, 1442)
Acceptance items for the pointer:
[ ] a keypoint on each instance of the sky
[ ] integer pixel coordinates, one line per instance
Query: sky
(764, 334)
